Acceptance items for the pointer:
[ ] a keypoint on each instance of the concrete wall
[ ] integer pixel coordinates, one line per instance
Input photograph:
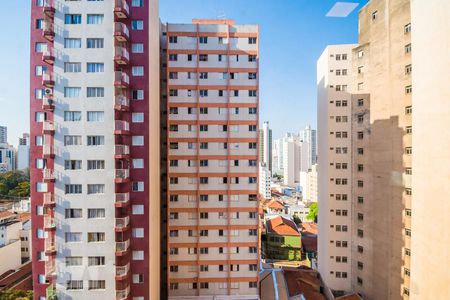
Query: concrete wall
(430, 259)
(10, 257)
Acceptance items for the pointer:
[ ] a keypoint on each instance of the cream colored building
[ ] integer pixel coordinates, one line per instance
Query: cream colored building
(430, 260)
(212, 120)
(334, 102)
(308, 183)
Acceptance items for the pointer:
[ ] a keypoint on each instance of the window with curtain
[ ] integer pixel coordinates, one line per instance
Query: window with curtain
(72, 43)
(39, 116)
(95, 19)
(137, 3)
(72, 19)
(96, 188)
(95, 43)
(95, 116)
(95, 140)
(96, 260)
(95, 164)
(72, 140)
(72, 116)
(96, 237)
(95, 67)
(96, 213)
(74, 284)
(137, 25)
(72, 92)
(72, 213)
(72, 67)
(137, 48)
(93, 92)
(73, 237)
(40, 47)
(137, 71)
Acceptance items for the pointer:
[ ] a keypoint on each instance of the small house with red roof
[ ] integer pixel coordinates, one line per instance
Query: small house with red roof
(283, 239)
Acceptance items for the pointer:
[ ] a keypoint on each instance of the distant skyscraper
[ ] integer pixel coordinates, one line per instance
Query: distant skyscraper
(23, 152)
(310, 136)
(3, 134)
(265, 179)
(265, 145)
(7, 158)
(295, 159)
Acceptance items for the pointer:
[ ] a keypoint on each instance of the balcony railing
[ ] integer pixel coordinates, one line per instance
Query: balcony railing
(48, 30)
(121, 32)
(121, 102)
(50, 245)
(122, 271)
(49, 222)
(121, 55)
(48, 103)
(121, 9)
(49, 199)
(48, 127)
(121, 79)
(48, 56)
(122, 294)
(122, 224)
(122, 199)
(121, 127)
(48, 151)
(122, 247)
(122, 151)
(50, 268)
(122, 175)
(48, 79)
(49, 8)
(48, 175)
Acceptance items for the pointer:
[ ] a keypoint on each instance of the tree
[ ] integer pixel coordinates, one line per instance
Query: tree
(21, 190)
(16, 295)
(312, 215)
(9, 181)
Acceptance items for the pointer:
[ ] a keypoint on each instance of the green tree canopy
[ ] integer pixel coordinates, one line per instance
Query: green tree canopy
(15, 183)
(312, 212)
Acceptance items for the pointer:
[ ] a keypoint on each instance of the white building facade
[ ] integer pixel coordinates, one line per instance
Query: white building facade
(265, 181)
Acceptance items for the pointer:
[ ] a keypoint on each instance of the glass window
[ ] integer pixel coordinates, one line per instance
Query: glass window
(96, 213)
(72, 116)
(138, 117)
(73, 189)
(72, 43)
(40, 47)
(95, 116)
(72, 92)
(138, 163)
(95, 92)
(137, 48)
(138, 94)
(94, 43)
(138, 209)
(137, 71)
(72, 140)
(138, 255)
(95, 164)
(71, 67)
(95, 140)
(95, 67)
(138, 186)
(39, 116)
(138, 232)
(39, 70)
(95, 19)
(138, 140)
(41, 187)
(95, 189)
(137, 3)
(137, 25)
(72, 237)
(72, 19)
(96, 261)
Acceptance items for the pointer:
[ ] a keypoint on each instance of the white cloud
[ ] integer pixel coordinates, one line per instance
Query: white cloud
(342, 9)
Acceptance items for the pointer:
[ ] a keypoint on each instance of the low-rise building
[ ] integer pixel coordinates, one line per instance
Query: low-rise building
(283, 239)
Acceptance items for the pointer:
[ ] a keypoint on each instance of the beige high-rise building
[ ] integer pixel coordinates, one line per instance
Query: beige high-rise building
(212, 120)
(430, 260)
(379, 158)
(334, 182)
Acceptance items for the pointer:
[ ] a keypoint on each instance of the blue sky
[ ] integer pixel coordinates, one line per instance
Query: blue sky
(293, 34)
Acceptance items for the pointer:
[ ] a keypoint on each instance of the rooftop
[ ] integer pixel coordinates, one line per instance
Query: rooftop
(282, 226)
(303, 281)
(309, 228)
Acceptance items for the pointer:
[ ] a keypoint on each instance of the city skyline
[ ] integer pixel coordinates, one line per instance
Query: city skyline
(278, 71)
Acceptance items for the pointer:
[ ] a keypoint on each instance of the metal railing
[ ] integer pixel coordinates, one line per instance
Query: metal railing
(122, 270)
(121, 100)
(122, 173)
(122, 246)
(122, 125)
(122, 197)
(122, 222)
(121, 28)
(122, 294)
(121, 51)
(122, 77)
(123, 5)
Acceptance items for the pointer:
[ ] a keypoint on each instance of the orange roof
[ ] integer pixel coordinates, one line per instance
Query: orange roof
(24, 216)
(274, 204)
(5, 214)
(309, 228)
(282, 226)
(306, 282)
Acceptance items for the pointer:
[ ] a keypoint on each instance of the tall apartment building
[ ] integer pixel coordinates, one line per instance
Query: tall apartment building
(265, 145)
(376, 166)
(23, 152)
(334, 111)
(3, 134)
(265, 182)
(430, 182)
(95, 149)
(309, 135)
(295, 159)
(212, 120)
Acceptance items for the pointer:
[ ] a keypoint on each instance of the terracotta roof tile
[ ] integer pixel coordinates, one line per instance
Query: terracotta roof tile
(306, 282)
(282, 226)
(5, 214)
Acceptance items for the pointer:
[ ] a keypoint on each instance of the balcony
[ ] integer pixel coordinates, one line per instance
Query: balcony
(48, 127)
(49, 8)
(121, 9)
(48, 175)
(121, 79)
(49, 200)
(122, 271)
(121, 103)
(48, 151)
(48, 103)
(122, 224)
(121, 32)
(122, 247)
(121, 56)
(49, 223)
(50, 246)
(121, 127)
(123, 294)
(50, 268)
(48, 30)
(122, 199)
(48, 56)
(122, 151)
(48, 79)
(122, 175)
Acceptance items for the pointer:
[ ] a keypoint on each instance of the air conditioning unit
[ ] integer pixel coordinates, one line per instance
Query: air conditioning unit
(48, 92)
